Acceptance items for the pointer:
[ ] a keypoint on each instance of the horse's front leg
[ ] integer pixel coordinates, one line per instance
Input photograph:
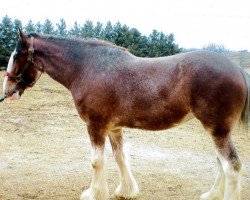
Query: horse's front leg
(99, 188)
(128, 188)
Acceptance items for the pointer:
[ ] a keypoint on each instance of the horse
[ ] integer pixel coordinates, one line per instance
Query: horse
(112, 89)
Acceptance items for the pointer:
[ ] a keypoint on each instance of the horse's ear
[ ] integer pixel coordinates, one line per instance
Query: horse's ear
(22, 35)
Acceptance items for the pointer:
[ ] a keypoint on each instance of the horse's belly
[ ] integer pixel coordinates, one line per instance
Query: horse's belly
(158, 122)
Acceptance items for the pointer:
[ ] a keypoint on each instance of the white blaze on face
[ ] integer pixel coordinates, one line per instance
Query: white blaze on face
(6, 86)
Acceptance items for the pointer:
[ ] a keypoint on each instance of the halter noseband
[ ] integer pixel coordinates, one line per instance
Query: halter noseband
(30, 61)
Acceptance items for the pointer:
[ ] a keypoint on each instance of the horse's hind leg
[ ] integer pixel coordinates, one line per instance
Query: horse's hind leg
(98, 189)
(128, 187)
(231, 166)
(217, 191)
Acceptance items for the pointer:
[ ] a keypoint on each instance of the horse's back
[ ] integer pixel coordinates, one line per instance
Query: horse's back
(162, 91)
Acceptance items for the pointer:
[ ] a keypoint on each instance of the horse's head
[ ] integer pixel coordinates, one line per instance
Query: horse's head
(21, 71)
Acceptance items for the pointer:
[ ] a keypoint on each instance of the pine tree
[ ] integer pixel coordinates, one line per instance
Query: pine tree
(121, 35)
(108, 32)
(75, 31)
(161, 44)
(17, 25)
(47, 27)
(30, 27)
(61, 28)
(39, 28)
(138, 43)
(87, 31)
(154, 45)
(7, 40)
(98, 30)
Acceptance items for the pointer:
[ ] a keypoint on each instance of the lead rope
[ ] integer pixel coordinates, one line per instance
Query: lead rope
(30, 56)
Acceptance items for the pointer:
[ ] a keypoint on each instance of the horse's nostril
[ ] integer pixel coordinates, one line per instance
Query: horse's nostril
(10, 92)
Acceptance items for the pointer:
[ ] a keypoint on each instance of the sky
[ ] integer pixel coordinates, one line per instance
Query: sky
(194, 23)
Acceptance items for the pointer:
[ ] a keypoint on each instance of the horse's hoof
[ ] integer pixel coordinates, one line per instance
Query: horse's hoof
(90, 195)
(118, 197)
(211, 196)
(87, 195)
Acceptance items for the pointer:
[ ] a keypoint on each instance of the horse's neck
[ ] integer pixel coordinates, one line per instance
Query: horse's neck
(54, 63)
(66, 67)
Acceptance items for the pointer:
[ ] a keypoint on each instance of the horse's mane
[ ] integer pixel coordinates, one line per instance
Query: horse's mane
(89, 41)
(76, 49)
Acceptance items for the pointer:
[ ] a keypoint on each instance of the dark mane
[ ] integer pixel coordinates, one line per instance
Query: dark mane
(35, 35)
(94, 42)
(78, 50)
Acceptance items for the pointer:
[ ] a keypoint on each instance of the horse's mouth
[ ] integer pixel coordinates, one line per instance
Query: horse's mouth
(15, 96)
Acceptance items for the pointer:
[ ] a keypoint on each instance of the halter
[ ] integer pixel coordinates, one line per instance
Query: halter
(30, 61)
(19, 78)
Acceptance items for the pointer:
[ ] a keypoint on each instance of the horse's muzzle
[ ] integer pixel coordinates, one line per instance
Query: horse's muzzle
(9, 94)
(2, 98)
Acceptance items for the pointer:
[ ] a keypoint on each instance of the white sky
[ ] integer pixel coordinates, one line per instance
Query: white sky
(194, 23)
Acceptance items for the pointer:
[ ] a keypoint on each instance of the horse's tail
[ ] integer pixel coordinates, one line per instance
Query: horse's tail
(245, 115)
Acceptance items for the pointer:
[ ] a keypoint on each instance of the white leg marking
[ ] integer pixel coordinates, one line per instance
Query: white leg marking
(232, 184)
(217, 191)
(99, 188)
(128, 187)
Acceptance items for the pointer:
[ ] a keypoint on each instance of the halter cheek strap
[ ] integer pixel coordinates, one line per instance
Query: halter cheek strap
(30, 61)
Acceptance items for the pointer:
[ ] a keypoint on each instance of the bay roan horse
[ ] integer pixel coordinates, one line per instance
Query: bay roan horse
(112, 89)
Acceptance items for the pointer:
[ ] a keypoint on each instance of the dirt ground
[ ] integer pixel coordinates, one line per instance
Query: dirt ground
(45, 152)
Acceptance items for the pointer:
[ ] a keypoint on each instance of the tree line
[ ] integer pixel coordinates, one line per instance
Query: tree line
(154, 45)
